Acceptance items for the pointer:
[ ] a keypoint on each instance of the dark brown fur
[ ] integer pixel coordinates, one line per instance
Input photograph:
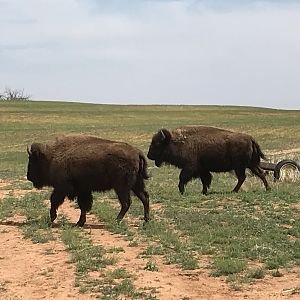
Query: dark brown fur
(199, 150)
(77, 165)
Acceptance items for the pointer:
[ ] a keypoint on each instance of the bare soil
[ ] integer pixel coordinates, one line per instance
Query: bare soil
(27, 271)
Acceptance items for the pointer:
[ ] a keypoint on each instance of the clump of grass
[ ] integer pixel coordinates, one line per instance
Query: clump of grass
(124, 289)
(115, 250)
(133, 243)
(276, 273)
(153, 250)
(49, 251)
(151, 266)
(8, 206)
(227, 266)
(258, 273)
(118, 273)
(296, 291)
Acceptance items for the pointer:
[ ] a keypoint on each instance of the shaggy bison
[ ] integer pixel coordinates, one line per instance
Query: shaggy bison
(199, 150)
(77, 165)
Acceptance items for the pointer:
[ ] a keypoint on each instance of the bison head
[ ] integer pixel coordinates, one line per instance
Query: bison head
(37, 165)
(160, 142)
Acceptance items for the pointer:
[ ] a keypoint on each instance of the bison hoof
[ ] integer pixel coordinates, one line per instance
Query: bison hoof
(53, 216)
(80, 223)
(181, 189)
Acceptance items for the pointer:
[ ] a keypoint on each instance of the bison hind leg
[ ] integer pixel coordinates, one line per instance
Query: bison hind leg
(85, 203)
(142, 194)
(241, 176)
(123, 194)
(259, 172)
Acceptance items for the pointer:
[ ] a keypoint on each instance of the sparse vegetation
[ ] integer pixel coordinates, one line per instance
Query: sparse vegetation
(151, 266)
(231, 230)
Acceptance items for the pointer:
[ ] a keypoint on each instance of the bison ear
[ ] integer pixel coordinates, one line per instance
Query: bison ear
(165, 135)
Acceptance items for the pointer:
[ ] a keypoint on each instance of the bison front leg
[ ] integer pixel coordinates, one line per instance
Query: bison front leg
(85, 202)
(206, 178)
(185, 176)
(56, 199)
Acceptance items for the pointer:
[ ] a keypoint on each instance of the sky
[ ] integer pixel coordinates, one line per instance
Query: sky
(213, 52)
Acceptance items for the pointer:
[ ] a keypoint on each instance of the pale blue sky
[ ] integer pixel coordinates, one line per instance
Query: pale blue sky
(153, 51)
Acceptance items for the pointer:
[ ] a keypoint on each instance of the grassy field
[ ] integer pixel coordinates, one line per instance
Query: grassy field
(245, 235)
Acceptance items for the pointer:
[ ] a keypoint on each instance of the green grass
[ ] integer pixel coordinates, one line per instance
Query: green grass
(233, 230)
(228, 265)
(37, 226)
(85, 255)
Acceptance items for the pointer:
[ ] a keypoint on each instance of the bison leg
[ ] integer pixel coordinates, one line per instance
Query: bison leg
(259, 172)
(57, 198)
(144, 197)
(185, 176)
(85, 202)
(125, 201)
(241, 176)
(206, 181)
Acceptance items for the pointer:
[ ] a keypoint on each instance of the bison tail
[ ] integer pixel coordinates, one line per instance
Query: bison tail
(143, 167)
(257, 154)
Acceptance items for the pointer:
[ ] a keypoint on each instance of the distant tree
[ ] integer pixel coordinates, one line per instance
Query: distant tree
(14, 95)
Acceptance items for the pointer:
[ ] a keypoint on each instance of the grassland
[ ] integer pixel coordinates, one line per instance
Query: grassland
(245, 235)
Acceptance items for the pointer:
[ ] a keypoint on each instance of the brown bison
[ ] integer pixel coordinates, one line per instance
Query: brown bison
(77, 165)
(199, 150)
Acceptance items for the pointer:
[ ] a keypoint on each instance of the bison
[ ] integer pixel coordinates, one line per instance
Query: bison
(199, 150)
(77, 165)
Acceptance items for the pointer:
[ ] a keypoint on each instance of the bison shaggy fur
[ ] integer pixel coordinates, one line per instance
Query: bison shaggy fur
(77, 165)
(200, 150)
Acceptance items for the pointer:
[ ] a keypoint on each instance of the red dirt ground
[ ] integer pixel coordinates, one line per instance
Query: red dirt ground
(27, 272)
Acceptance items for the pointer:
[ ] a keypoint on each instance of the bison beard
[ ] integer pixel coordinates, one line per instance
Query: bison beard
(199, 150)
(77, 165)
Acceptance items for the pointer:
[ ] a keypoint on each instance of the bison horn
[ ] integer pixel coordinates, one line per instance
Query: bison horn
(29, 151)
(162, 134)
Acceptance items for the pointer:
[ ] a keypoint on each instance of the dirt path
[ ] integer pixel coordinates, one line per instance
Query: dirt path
(40, 271)
(27, 272)
(33, 271)
(173, 283)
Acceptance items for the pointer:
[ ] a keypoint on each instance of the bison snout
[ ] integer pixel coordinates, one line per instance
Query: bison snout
(158, 163)
(150, 156)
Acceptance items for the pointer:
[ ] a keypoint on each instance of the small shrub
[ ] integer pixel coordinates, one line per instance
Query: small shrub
(151, 266)
(227, 265)
(257, 274)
